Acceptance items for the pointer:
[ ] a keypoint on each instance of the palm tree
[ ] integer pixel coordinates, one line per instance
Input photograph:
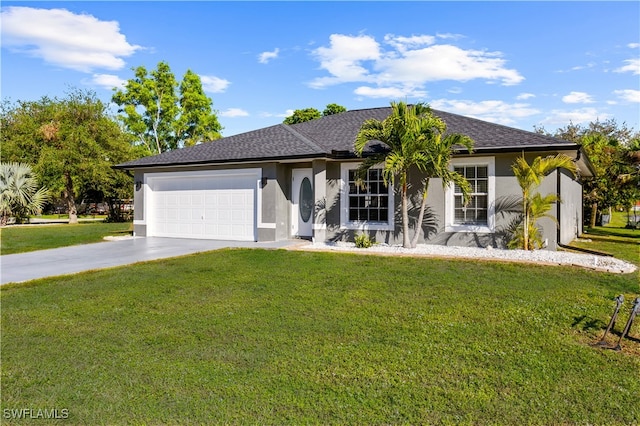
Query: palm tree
(414, 138)
(529, 177)
(19, 192)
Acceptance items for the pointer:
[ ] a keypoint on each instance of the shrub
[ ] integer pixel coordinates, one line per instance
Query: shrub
(363, 241)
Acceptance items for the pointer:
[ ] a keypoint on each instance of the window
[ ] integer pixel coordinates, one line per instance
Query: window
(367, 204)
(476, 212)
(477, 216)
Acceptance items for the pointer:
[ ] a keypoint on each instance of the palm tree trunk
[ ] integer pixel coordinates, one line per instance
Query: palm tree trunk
(525, 225)
(423, 206)
(406, 243)
(594, 214)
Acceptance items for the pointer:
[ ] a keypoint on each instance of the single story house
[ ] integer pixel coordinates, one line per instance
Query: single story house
(297, 181)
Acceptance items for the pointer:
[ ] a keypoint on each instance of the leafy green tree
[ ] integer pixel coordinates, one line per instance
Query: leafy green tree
(302, 115)
(415, 139)
(534, 206)
(333, 109)
(20, 194)
(161, 119)
(72, 144)
(606, 143)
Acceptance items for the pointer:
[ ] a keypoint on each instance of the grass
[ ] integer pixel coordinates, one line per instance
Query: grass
(277, 337)
(614, 239)
(20, 239)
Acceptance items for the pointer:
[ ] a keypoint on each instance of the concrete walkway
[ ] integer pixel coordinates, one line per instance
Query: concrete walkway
(70, 260)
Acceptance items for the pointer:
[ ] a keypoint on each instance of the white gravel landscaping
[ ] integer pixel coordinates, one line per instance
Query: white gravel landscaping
(547, 257)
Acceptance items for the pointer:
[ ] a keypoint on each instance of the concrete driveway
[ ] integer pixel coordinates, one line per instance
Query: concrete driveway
(70, 260)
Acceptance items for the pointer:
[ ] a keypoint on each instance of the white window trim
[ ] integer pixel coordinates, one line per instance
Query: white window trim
(344, 204)
(450, 226)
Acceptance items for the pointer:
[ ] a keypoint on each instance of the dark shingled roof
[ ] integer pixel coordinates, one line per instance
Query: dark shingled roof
(333, 136)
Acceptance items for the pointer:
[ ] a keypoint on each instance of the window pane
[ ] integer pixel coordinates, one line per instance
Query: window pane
(482, 217)
(352, 188)
(458, 202)
(384, 201)
(483, 172)
(373, 215)
(384, 215)
(482, 186)
(481, 201)
(459, 215)
(353, 202)
(470, 172)
(459, 170)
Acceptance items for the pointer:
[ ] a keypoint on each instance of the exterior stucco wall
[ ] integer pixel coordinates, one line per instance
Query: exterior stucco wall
(570, 208)
(275, 216)
(507, 198)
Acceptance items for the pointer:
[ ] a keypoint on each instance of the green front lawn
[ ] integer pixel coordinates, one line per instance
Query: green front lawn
(278, 337)
(20, 239)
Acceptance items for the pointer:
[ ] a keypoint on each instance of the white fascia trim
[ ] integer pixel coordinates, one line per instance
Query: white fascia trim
(139, 222)
(490, 162)
(344, 204)
(265, 225)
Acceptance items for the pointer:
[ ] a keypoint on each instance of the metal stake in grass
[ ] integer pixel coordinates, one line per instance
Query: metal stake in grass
(619, 300)
(634, 311)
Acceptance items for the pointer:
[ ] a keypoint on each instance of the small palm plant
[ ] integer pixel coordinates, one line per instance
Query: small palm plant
(19, 192)
(535, 206)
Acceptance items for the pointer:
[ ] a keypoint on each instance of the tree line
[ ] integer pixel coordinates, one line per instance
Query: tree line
(69, 145)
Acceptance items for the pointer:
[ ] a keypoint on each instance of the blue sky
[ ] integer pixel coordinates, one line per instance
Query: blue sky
(516, 63)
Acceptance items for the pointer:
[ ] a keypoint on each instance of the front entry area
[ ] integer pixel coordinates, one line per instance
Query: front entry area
(209, 204)
(302, 204)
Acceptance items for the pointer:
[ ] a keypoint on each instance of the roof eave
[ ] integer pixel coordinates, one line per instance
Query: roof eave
(124, 166)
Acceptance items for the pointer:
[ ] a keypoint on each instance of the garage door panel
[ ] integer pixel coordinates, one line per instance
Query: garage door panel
(212, 206)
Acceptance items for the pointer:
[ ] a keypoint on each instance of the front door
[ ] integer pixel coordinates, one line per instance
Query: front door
(302, 203)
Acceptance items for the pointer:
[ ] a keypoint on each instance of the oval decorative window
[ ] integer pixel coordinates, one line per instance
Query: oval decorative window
(306, 199)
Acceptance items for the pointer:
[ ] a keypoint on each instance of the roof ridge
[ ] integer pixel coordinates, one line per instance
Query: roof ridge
(303, 138)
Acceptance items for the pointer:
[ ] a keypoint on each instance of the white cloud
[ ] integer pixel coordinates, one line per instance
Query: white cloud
(402, 43)
(265, 57)
(214, 84)
(234, 112)
(406, 62)
(525, 96)
(578, 116)
(287, 113)
(633, 66)
(107, 81)
(389, 92)
(629, 95)
(491, 110)
(343, 59)
(577, 98)
(455, 90)
(633, 45)
(62, 38)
